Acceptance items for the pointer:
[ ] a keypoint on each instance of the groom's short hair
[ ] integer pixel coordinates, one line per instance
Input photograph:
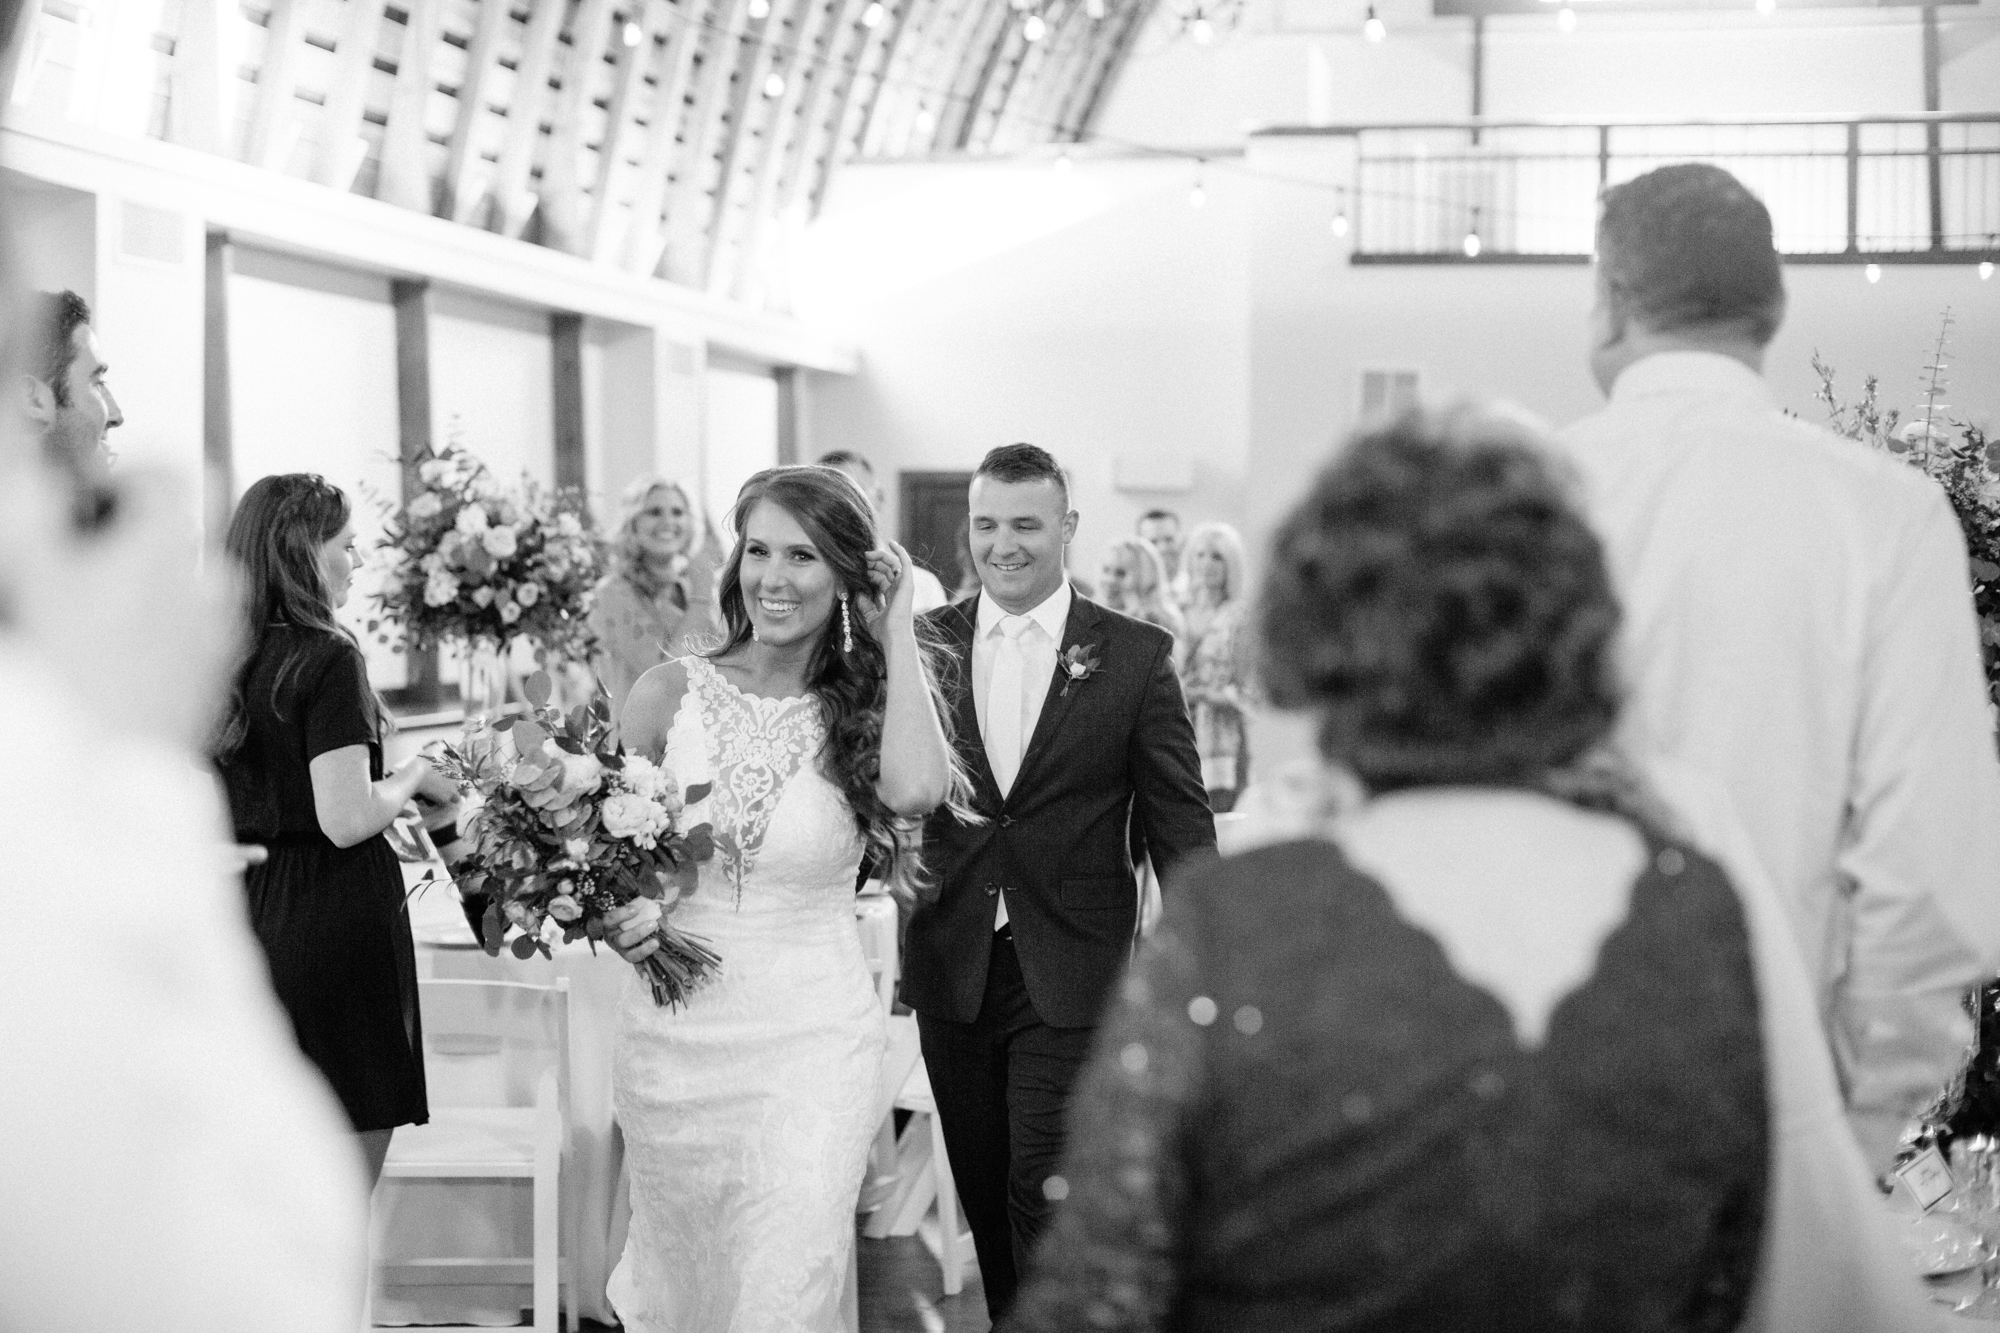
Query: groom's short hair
(1689, 246)
(1025, 462)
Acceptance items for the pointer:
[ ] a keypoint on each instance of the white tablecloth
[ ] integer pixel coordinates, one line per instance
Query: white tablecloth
(418, 1218)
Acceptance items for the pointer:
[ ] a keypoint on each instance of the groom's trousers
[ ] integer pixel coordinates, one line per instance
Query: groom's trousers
(1002, 1085)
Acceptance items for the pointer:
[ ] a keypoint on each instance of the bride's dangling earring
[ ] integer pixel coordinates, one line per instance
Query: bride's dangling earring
(846, 626)
(754, 634)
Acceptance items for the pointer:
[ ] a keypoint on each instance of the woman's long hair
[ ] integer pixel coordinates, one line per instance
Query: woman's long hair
(852, 686)
(275, 538)
(628, 556)
(1228, 544)
(1149, 587)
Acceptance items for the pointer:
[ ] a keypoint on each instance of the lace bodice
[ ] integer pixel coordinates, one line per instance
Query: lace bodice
(761, 757)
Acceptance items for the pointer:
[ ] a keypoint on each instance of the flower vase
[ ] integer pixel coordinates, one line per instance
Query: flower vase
(483, 680)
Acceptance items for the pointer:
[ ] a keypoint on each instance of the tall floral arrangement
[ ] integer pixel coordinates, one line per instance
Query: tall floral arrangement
(469, 561)
(1954, 453)
(1958, 456)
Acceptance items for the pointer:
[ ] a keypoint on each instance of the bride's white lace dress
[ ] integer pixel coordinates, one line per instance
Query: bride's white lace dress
(747, 1115)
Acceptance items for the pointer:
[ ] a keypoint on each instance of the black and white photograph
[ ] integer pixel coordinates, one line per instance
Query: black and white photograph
(1000, 666)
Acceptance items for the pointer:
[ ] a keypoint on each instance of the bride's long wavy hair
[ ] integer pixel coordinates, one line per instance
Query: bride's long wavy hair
(851, 684)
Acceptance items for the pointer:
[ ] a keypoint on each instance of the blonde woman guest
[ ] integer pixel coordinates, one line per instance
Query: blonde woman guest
(1134, 583)
(660, 594)
(1215, 670)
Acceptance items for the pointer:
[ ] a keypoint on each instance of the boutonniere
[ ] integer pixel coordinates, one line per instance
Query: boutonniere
(1080, 663)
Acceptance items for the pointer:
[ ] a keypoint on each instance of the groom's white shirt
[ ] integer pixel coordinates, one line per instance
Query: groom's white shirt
(1798, 625)
(170, 1160)
(1040, 644)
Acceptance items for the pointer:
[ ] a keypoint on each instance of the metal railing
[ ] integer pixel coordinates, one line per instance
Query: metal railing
(1889, 189)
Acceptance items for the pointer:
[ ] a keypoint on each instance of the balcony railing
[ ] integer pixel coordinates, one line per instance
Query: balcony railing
(1892, 189)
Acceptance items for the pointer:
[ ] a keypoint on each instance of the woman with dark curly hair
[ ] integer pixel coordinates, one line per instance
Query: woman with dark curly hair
(748, 1113)
(1484, 1053)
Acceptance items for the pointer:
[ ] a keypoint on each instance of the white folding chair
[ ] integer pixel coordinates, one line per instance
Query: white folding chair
(923, 1201)
(496, 1056)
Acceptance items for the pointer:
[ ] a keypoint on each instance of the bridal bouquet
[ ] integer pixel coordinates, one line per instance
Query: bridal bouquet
(567, 827)
(471, 561)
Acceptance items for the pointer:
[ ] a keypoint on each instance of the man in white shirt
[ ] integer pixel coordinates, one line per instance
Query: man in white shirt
(171, 1162)
(1799, 626)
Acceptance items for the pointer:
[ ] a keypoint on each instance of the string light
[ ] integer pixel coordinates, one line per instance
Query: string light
(1340, 223)
(1063, 161)
(1873, 273)
(872, 16)
(775, 85)
(760, 9)
(1985, 269)
(1372, 27)
(1471, 245)
(1566, 19)
(1202, 31)
(633, 34)
(1035, 28)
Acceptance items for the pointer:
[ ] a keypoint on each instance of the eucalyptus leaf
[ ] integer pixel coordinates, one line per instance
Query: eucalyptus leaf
(524, 946)
(694, 795)
(537, 688)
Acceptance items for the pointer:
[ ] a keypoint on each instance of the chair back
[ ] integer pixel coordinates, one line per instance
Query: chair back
(488, 1043)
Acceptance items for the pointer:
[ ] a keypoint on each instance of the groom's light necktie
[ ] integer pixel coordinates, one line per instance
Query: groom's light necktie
(1004, 741)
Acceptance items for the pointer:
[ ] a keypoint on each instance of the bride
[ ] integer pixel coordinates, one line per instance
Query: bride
(747, 1114)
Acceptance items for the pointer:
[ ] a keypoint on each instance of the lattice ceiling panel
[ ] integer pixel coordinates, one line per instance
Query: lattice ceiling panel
(681, 139)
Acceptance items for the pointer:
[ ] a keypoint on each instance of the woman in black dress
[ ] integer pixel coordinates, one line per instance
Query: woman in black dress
(1483, 1055)
(300, 753)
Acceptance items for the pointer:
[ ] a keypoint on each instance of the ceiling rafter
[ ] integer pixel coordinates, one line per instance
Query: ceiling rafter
(683, 154)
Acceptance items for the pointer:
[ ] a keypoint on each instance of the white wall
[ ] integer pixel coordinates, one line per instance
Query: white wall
(742, 436)
(493, 382)
(1090, 311)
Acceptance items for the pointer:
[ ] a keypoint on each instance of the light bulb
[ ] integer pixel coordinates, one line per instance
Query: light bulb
(760, 9)
(1202, 31)
(1340, 223)
(1064, 162)
(872, 16)
(1985, 269)
(1372, 28)
(774, 86)
(1198, 196)
(1566, 19)
(1767, 7)
(1471, 245)
(1093, 9)
(925, 122)
(1873, 273)
(1034, 28)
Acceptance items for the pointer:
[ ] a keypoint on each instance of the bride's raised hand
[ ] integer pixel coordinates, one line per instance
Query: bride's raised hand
(895, 589)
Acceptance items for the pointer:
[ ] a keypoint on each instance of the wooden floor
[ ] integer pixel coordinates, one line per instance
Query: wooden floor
(903, 1292)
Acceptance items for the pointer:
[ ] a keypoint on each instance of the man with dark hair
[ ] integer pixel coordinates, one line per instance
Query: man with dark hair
(1069, 718)
(68, 396)
(1797, 626)
(1161, 530)
(929, 593)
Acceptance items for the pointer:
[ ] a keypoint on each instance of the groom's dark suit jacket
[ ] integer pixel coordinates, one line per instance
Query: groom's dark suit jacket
(1111, 752)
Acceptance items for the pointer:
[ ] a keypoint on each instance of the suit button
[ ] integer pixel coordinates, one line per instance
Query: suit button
(992, 890)
(1006, 821)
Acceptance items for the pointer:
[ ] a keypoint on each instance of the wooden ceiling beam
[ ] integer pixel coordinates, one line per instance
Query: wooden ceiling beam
(272, 113)
(340, 118)
(778, 52)
(685, 209)
(1088, 101)
(640, 252)
(562, 164)
(812, 69)
(461, 158)
(406, 179)
(847, 123)
(941, 82)
(194, 113)
(512, 204)
(1033, 116)
(626, 97)
(1009, 47)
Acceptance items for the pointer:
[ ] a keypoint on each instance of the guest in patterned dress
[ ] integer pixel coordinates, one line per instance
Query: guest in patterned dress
(1215, 669)
(1484, 1051)
(658, 601)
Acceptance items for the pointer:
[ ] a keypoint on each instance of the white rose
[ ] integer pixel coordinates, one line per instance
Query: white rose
(642, 775)
(471, 520)
(567, 525)
(426, 505)
(565, 908)
(432, 563)
(581, 772)
(433, 471)
(482, 596)
(628, 816)
(441, 589)
(499, 542)
(509, 613)
(528, 594)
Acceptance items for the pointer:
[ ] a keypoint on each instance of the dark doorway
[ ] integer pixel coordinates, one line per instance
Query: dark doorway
(933, 509)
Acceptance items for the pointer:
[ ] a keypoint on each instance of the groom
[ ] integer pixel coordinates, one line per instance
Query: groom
(1070, 721)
